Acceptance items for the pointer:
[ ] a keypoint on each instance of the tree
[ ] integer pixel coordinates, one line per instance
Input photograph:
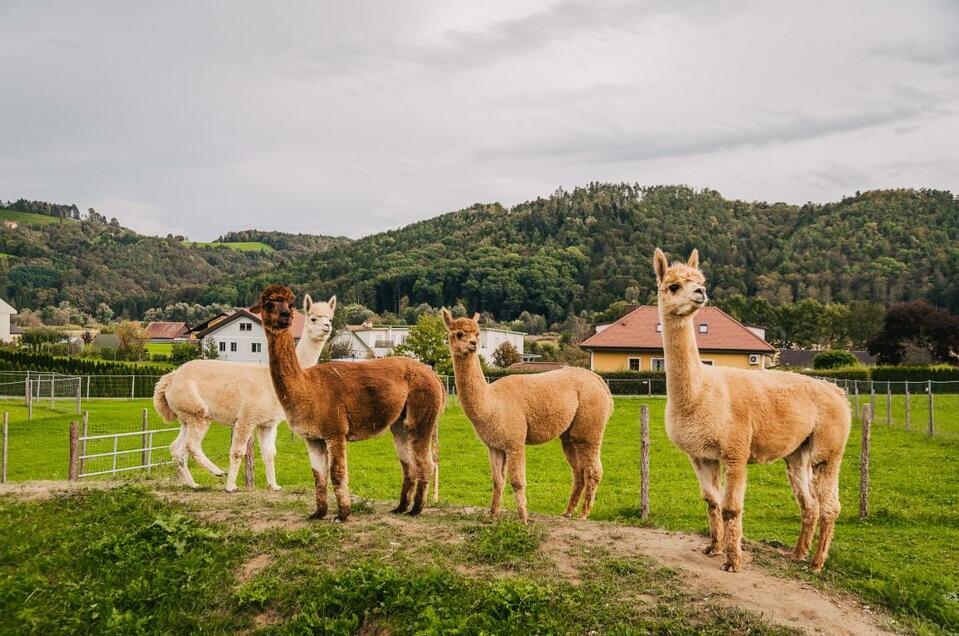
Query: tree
(104, 313)
(920, 326)
(505, 354)
(210, 351)
(183, 352)
(36, 337)
(132, 337)
(833, 359)
(427, 341)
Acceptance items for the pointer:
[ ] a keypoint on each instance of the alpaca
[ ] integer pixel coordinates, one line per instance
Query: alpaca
(240, 395)
(573, 404)
(731, 417)
(338, 402)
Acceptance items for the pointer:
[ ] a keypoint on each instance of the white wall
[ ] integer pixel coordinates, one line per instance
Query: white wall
(489, 340)
(5, 328)
(229, 336)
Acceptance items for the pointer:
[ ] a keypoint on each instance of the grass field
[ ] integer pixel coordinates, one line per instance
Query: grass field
(159, 347)
(240, 246)
(903, 557)
(28, 218)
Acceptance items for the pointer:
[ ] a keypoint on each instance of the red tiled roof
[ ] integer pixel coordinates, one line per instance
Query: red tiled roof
(167, 330)
(535, 367)
(637, 330)
(299, 322)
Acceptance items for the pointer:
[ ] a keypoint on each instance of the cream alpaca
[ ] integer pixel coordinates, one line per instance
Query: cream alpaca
(731, 417)
(572, 404)
(239, 395)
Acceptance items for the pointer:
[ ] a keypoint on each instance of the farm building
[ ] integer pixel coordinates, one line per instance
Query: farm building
(239, 336)
(378, 341)
(635, 342)
(6, 310)
(802, 358)
(162, 331)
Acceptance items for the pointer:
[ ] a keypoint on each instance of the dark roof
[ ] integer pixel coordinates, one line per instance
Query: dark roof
(535, 367)
(299, 322)
(15, 329)
(637, 331)
(161, 330)
(802, 359)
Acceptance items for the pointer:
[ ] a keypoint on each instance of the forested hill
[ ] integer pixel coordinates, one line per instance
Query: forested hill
(46, 261)
(589, 247)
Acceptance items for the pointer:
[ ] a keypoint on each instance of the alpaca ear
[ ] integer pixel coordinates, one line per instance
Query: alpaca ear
(476, 316)
(307, 303)
(660, 264)
(447, 318)
(694, 259)
(332, 302)
(255, 309)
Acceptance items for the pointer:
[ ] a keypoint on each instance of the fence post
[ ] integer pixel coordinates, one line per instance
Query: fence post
(436, 464)
(29, 399)
(855, 387)
(83, 441)
(248, 463)
(864, 465)
(53, 392)
(932, 419)
(27, 389)
(908, 408)
(133, 386)
(3, 459)
(88, 387)
(644, 465)
(74, 451)
(145, 426)
(872, 398)
(79, 395)
(889, 403)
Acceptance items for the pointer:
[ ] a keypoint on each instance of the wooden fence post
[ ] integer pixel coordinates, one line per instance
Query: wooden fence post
(145, 426)
(932, 419)
(29, 399)
(872, 398)
(908, 409)
(644, 465)
(88, 387)
(74, 451)
(248, 461)
(79, 395)
(889, 403)
(855, 387)
(436, 464)
(3, 459)
(864, 465)
(133, 386)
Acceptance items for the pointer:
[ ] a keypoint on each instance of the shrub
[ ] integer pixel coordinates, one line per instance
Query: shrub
(834, 359)
(182, 352)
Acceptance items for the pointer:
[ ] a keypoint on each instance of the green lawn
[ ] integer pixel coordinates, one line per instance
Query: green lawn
(28, 218)
(159, 347)
(240, 246)
(903, 557)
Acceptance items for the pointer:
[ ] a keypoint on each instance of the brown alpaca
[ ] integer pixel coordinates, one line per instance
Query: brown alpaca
(732, 417)
(338, 402)
(572, 404)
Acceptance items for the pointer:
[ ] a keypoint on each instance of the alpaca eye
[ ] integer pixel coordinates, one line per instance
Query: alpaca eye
(459, 334)
(269, 304)
(674, 288)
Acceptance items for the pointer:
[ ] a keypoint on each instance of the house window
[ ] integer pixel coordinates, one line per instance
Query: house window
(659, 364)
(246, 326)
(256, 347)
(708, 363)
(703, 328)
(232, 347)
(659, 327)
(634, 364)
(222, 346)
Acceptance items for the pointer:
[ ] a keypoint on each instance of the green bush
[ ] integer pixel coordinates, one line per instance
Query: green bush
(834, 359)
(859, 373)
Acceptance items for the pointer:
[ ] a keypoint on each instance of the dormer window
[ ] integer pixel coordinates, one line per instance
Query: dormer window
(246, 326)
(659, 327)
(703, 328)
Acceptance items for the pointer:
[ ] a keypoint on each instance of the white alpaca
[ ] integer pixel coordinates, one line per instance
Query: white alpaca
(238, 395)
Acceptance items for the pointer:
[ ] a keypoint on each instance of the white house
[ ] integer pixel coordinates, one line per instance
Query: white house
(6, 310)
(378, 341)
(240, 337)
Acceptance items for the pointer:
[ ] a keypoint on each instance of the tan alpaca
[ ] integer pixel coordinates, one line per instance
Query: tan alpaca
(338, 402)
(238, 395)
(572, 404)
(732, 417)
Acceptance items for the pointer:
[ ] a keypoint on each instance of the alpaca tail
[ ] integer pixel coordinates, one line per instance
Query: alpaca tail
(160, 402)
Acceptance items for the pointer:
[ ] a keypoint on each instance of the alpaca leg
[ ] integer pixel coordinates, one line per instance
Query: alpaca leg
(708, 474)
(241, 436)
(320, 465)
(516, 467)
(497, 467)
(423, 466)
(405, 454)
(732, 507)
(593, 474)
(266, 435)
(799, 471)
(196, 431)
(339, 476)
(826, 485)
(179, 454)
(569, 449)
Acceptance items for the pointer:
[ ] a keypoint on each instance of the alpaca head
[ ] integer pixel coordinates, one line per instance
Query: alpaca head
(463, 334)
(681, 291)
(275, 308)
(319, 318)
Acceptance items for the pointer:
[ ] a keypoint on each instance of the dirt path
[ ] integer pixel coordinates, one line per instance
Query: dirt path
(783, 601)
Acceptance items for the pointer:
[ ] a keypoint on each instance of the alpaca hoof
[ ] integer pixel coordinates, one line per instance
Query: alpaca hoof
(194, 485)
(795, 556)
(398, 510)
(316, 516)
(816, 567)
(340, 518)
(711, 551)
(731, 567)
(567, 515)
(218, 473)
(415, 510)
(230, 489)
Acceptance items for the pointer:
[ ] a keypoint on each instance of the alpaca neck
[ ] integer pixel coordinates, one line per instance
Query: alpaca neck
(308, 350)
(684, 369)
(471, 387)
(285, 369)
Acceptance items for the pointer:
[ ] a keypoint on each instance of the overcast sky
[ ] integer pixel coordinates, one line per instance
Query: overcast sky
(353, 117)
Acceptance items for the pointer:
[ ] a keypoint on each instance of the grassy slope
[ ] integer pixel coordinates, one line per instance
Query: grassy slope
(251, 246)
(903, 557)
(28, 218)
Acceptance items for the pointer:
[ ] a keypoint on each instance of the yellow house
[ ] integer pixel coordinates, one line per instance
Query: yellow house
(635, 342)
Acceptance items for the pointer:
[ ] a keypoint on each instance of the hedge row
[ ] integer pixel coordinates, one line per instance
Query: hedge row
(18, 360)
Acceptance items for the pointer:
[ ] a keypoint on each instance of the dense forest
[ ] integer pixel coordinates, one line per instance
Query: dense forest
(588, 248)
